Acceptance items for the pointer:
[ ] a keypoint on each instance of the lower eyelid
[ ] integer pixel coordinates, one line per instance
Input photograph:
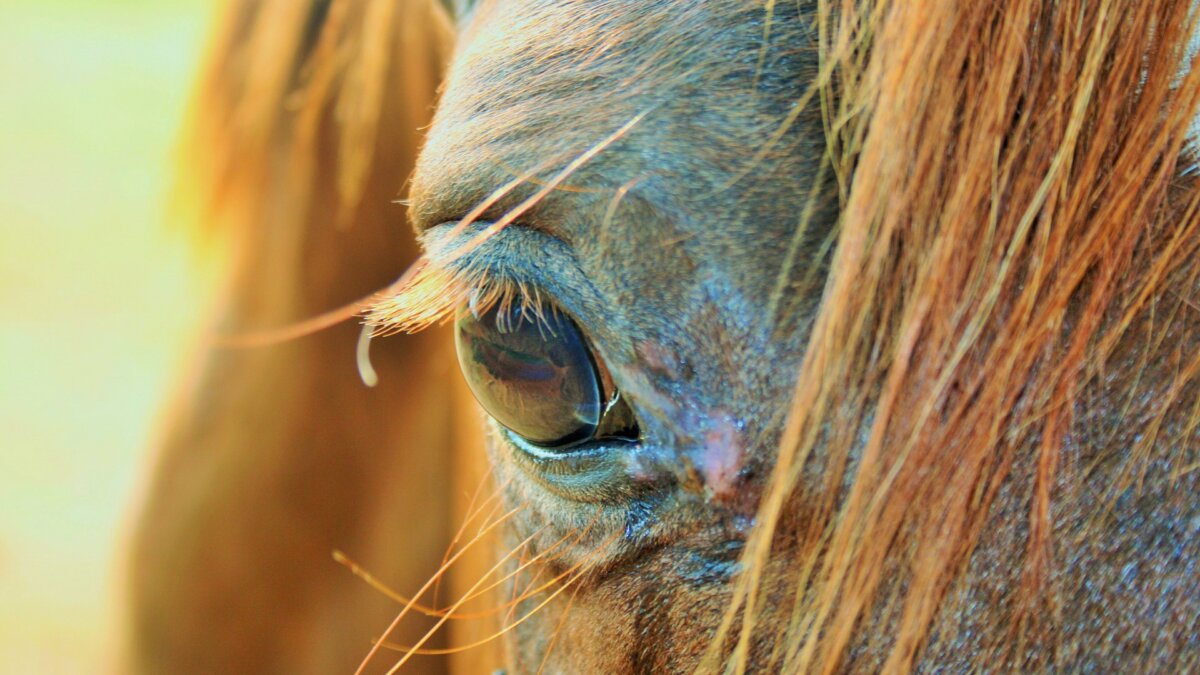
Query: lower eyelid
(595, 472)
(582, 450)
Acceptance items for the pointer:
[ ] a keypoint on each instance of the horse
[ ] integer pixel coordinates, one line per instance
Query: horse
(834, 335)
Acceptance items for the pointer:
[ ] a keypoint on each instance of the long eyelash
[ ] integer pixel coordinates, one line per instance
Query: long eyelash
(436, 292)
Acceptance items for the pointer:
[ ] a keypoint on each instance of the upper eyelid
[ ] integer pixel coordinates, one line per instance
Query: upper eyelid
(442, 241)
(509, 265)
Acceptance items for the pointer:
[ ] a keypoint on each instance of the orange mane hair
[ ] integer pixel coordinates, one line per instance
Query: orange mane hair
(304, 127)
(1013, 209)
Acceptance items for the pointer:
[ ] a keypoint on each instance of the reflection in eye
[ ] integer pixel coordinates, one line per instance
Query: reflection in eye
(534, 375)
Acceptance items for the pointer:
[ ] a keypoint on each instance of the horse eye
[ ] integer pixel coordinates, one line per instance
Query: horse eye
(535, 375)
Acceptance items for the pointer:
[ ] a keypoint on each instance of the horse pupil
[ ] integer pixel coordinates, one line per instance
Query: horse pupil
(536, 376)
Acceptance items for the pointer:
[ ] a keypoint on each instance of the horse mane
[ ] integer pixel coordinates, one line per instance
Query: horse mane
(1014, 209)
(305, 124)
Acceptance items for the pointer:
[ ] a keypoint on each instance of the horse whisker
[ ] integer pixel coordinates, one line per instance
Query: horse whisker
(472, 513)
(429, 634)
(576, 570)
(562, 621)
(548, 555)
(399, 617)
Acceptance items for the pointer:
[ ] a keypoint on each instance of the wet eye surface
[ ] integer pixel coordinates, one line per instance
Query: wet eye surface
(535, 374)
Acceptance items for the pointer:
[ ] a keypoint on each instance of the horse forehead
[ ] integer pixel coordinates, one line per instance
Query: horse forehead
(536, 83)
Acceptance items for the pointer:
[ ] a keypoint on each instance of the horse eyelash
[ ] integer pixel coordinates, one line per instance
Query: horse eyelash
(435, 292)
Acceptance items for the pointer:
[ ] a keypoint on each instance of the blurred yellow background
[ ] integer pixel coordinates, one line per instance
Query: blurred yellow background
(99, 297)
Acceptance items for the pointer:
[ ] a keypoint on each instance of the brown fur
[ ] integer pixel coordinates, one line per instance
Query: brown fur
(274, 456)
(906, 297)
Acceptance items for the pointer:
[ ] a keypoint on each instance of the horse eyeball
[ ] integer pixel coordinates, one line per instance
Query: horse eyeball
(535, 375)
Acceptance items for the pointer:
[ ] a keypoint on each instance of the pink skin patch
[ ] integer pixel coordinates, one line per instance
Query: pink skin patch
(719, 460)
(658, 359)
(639, 472)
